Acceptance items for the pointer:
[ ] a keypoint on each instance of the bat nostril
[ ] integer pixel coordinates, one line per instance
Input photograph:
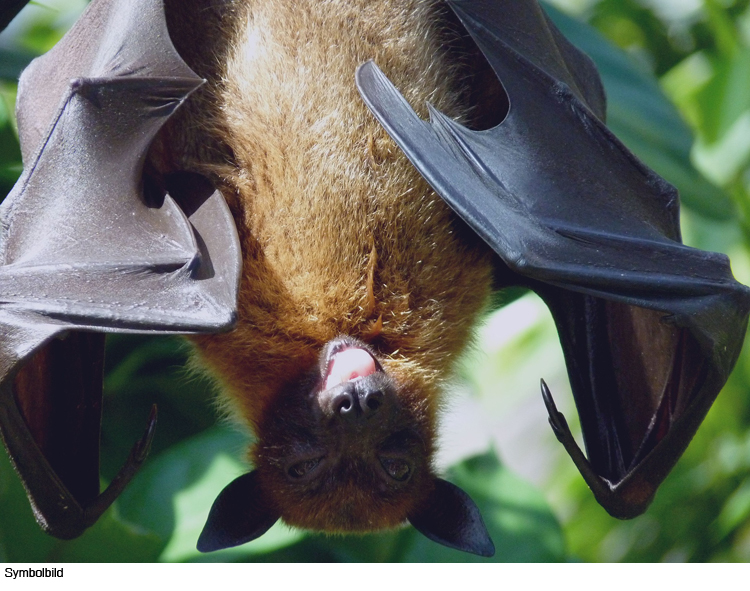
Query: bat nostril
(372, 401)
(344, 404)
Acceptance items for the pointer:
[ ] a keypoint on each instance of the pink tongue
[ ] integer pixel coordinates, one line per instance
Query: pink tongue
(349, 364)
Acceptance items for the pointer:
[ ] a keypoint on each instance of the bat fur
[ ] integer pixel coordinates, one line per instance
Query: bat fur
(340, 234)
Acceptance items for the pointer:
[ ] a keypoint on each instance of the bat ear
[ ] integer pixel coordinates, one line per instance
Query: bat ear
(451, 518)
(239, 514)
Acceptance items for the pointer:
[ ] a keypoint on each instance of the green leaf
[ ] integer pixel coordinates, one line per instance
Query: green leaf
(727, 96)
(722, 27)
(13, 61)
(642, 117)
(725, 159)
(110, 540)
(736, 511)
(10, 152)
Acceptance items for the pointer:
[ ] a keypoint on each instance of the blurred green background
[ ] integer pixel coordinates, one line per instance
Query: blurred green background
(677, 74)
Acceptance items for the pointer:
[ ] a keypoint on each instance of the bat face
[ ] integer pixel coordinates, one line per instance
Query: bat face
(343, 450)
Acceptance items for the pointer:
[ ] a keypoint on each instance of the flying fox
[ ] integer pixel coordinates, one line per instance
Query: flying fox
(327, 194)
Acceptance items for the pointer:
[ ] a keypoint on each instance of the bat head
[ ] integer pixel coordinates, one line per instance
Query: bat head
(345, 449)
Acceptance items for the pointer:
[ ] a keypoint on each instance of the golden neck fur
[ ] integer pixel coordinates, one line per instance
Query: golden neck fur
(340, 234)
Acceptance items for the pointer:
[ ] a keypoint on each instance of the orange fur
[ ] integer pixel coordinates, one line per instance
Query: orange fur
(339, 233)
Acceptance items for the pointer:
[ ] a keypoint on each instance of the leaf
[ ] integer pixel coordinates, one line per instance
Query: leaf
(727, 96)
(13, 61)
(110, 540)
(736, 510)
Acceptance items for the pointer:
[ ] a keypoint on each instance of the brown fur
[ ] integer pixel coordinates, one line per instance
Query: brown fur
(340, 234)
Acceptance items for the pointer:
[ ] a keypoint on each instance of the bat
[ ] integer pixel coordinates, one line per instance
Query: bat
(350, 246)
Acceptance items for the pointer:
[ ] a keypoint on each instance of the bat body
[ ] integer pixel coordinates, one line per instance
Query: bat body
(370, 246)
(345, 246)
(338, 229)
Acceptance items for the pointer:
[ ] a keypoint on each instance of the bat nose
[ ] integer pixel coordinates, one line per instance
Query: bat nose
(371, 397)
(357, 401)
(345, 403)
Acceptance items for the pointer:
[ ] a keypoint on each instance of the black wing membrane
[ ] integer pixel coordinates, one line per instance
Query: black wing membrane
(650, 328)
(83, 250)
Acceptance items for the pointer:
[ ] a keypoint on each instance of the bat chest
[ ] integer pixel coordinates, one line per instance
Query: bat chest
(340, 234)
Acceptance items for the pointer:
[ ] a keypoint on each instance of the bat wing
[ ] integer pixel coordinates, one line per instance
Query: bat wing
(88, 243)
(650, 328)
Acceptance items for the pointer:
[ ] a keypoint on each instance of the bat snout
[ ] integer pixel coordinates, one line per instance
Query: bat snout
(353, 385)
(358, 400)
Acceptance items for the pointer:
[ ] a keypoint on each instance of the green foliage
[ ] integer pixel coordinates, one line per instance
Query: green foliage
(13, 61)
(10, 152)
(701, 62)
(21, 540)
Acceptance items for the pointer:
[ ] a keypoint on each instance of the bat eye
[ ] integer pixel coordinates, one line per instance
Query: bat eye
(303, 468)
(396, 468)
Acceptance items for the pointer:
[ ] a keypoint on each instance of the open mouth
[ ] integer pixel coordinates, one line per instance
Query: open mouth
(347, 361)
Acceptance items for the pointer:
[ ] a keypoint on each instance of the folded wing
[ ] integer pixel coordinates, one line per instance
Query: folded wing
(650, 328)
(89, 243)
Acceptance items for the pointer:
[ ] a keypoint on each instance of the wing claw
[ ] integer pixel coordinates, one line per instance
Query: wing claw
(616, 502)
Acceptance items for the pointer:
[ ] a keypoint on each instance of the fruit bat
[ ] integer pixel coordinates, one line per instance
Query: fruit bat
(334, 278)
